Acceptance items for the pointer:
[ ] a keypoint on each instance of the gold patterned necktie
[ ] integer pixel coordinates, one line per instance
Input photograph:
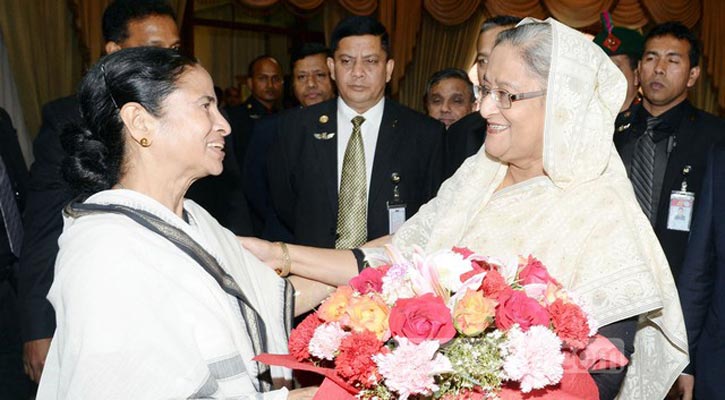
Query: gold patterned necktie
(352, 202)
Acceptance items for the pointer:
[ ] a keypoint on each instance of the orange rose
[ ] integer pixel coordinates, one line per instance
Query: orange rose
(473, 313)
(333, 309)
(369, 313)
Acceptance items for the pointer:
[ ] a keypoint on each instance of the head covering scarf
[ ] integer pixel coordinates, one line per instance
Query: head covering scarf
(581, 219)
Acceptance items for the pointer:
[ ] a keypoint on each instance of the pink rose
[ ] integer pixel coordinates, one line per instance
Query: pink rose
(370, 280)
(422, 318)
(515, 307)
(535, 272)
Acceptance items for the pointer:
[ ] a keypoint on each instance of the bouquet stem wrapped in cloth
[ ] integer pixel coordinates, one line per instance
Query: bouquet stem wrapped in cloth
(451, 325)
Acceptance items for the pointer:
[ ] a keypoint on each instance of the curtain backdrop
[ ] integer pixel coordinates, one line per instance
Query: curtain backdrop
(460, 44)
(43, 52)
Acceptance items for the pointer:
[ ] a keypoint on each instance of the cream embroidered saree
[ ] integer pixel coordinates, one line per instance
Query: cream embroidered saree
(581, 220)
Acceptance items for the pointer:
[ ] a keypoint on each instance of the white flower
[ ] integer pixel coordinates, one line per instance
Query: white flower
(449, 266)
(533, 358)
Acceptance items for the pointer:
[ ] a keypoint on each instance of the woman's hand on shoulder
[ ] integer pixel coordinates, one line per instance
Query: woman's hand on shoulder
(302, 394)
(267, 252)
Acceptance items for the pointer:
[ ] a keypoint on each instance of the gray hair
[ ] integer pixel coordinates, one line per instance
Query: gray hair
(534, 44)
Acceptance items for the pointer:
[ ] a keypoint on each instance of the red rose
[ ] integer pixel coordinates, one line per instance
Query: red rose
(354, 361)
(299, 339)
(515, 307)
(422, 318)
(535, 272)
(570, 324)
(370, 280)
(493, 284)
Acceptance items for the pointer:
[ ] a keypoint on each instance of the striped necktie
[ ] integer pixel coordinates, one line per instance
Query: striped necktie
(643, 169)
(352, 208)
(9, 210)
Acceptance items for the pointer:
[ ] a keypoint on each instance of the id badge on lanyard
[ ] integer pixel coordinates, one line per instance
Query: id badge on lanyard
(396, 207)
(681, 205)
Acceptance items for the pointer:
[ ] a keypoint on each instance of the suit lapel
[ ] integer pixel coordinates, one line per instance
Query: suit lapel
(685, 146)
(388, 139)
(323, 126)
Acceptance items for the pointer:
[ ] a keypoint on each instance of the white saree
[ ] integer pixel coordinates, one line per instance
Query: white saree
(581, 219)
(139, 319)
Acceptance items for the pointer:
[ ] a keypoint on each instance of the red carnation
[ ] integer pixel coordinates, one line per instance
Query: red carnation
(493, 284)
(570, 324)
(299, 339)
(422, 318)
(370, 280)
(515, 307)
(354, 361)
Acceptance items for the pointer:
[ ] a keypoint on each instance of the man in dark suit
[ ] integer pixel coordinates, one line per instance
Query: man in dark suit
(265, 80)
(466, 136)
(311, 84)
(351, 169)
(13, 180)
(126, 23)
(701, 285)
(664, 148)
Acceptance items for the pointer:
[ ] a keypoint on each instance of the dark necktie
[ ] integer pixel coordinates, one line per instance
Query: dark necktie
(9, 210)
(643, 168)
(352, 202)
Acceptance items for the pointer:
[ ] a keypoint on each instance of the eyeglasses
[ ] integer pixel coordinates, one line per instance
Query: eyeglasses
(503, 98)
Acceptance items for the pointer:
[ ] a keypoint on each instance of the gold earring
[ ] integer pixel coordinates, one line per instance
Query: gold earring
(144, 142)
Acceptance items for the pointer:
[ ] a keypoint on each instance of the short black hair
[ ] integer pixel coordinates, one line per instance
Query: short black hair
(681, 32)
(120, 13)
(358, 25)
(448, 73)
(499, 20)
(250, 67)
(306, 50)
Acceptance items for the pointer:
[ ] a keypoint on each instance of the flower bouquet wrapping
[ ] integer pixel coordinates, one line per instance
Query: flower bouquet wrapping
(451, 325)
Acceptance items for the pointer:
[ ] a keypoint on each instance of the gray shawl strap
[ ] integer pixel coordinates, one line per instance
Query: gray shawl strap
(253, 321)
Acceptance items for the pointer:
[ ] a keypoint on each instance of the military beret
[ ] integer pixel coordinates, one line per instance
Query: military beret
(617, 40)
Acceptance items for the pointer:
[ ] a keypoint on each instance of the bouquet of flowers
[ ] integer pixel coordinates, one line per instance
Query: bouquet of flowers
(449, 325)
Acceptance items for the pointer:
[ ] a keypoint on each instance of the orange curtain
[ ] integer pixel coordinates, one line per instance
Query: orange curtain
(577, 13)
(686, 11)
(451, 12)
(520, 8)
(629, 14)
(713, 18)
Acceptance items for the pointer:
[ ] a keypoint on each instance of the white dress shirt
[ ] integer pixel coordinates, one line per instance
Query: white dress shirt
(369, 129)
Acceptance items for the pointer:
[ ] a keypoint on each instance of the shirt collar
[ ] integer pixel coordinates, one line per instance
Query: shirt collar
(670, 120)
(373, 113)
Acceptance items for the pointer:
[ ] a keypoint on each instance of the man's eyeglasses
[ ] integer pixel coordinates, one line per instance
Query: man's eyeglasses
(503, 98)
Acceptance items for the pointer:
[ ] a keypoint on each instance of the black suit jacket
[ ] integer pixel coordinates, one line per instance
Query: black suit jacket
(701, 283)
(48, 193)
(17, 172)
(303, 169)
(696, 133)
(463, 139)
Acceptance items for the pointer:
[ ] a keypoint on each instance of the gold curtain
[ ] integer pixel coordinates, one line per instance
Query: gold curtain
(459, 43)
(451, 12)
(630, 14)
(43, 52)
(577, 13)
(360, 7)
(713, 31)
(520, 8)
(686, 11)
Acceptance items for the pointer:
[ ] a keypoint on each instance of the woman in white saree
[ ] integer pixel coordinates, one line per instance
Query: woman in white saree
(153, 298)
(549, 182)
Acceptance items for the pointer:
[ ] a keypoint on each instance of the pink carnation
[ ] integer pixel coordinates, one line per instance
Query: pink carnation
(533, 358)
(326, 340)
(411, 368)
